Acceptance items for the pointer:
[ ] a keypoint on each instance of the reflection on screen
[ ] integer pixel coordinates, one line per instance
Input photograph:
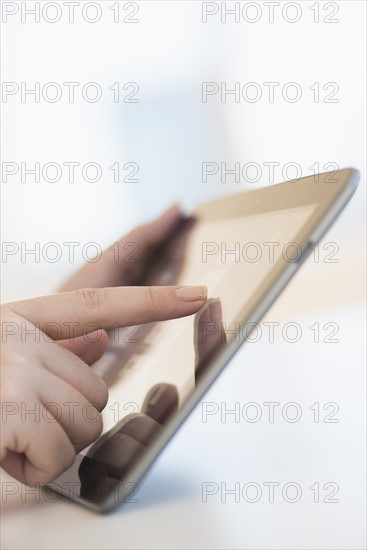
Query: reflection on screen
(151, 370)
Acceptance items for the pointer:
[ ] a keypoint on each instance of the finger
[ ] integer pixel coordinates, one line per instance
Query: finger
(153, 234)
(141, 427)
(79, 418)
(69, 367)
(95, 483)
(118, 453)
(87, 310)
(209, 334)
(123, 262)
(146, 240)
(161, 402)
(89, 349)
(58, 360)
(62, 400)
(111, 461)
(37, 451)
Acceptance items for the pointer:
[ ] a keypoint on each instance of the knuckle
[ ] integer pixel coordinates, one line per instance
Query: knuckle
(152, 297)
(13, 359)
(91, 298)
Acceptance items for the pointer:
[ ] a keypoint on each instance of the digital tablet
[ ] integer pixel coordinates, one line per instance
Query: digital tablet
(244, 248)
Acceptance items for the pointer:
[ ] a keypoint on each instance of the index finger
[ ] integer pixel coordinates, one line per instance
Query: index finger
(89, 309)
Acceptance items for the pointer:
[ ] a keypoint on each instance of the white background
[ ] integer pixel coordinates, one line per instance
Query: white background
(169, 53)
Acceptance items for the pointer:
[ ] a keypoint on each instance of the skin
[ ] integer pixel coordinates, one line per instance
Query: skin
(49, 342)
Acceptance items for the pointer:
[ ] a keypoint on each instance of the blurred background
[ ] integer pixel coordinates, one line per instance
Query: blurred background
(155, 129)
(161, 138)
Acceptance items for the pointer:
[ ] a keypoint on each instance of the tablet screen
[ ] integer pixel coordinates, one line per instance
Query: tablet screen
(151, 370)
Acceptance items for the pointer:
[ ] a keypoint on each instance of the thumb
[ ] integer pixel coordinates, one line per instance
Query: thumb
(72, 314)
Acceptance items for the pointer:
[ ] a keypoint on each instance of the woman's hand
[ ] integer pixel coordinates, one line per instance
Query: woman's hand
(126, 261)
(51, 399)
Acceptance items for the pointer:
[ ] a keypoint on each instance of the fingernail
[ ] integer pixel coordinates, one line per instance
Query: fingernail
(156, 394)
(192, 293)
